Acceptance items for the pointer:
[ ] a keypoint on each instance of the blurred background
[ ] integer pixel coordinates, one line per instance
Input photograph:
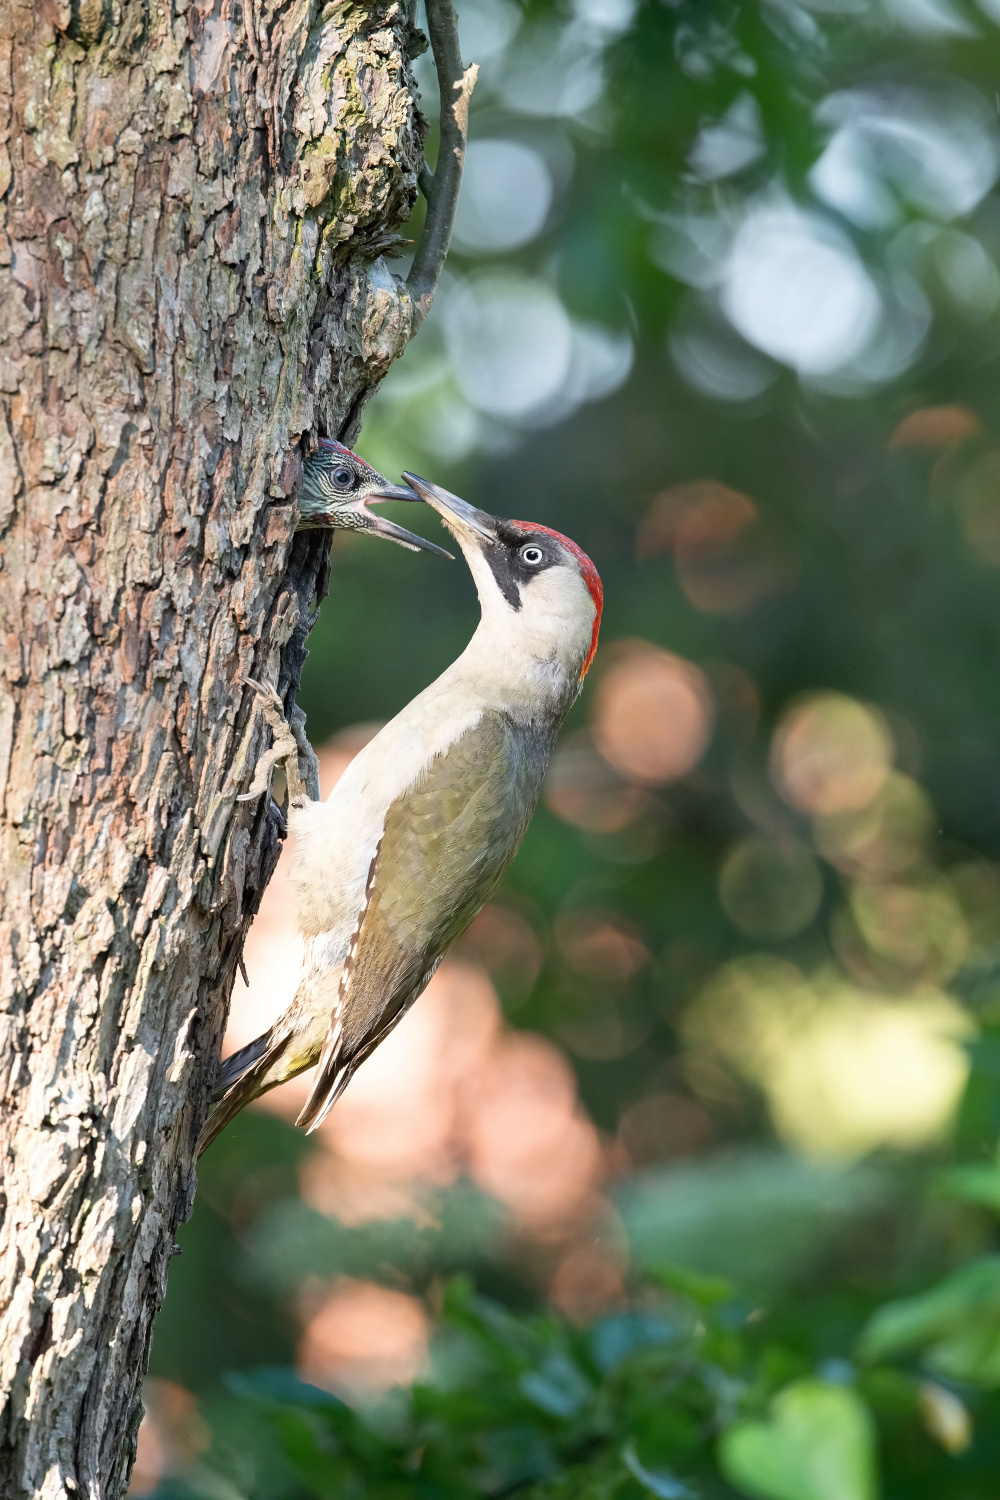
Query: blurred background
(681, 1179)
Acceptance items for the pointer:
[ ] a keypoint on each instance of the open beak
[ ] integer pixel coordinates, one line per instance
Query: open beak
(461, 518)
(393, 492)
(378, 525)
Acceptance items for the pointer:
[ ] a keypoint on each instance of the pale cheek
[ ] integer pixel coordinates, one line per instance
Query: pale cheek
(563, 596)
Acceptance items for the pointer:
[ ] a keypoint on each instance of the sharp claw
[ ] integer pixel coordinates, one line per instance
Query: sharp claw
(263, 688)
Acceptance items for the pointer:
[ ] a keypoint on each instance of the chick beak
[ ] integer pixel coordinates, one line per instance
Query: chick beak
(393, 492)
(380, 526)
(462, 519)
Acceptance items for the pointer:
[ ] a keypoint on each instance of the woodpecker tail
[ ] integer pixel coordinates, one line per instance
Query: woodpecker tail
(241, 1079)
(231, 1069)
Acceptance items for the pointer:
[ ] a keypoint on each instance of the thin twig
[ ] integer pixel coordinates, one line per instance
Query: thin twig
(441, 190)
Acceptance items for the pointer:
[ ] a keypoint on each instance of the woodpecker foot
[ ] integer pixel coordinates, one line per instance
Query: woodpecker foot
(284, 751)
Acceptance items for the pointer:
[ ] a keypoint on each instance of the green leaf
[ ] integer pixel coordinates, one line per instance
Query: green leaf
(972, 1354)
(972, 1184)
(818, 1445)
(707, 1291)
(955, 1325)
(959, 1319)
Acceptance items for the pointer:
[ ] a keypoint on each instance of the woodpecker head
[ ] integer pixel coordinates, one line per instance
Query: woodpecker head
(540, 593)
(336, 490)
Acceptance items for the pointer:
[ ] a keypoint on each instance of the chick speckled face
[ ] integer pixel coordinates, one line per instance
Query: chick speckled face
(336, 490)
(331, 478)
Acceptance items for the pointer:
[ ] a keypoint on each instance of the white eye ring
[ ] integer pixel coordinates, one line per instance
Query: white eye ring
(531, 555)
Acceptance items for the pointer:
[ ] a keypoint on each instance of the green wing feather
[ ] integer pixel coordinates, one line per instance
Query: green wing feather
(445, 847)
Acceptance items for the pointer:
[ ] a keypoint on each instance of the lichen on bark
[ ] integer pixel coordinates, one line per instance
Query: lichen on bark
(194, 201)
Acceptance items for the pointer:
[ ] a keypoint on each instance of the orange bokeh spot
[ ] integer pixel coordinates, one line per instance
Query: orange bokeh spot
(172, 1434)
(505, 944)
(363, 1340)
(586, 1283)
(653, 715)
(725, 562)
(601, 945)
(935, 427)
(529, 1143)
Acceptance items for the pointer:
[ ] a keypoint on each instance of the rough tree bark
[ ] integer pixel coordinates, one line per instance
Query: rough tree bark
(194, 198)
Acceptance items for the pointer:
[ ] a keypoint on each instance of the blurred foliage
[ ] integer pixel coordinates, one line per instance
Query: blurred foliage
(817, 1392)
(691, 1391)
(723, 306)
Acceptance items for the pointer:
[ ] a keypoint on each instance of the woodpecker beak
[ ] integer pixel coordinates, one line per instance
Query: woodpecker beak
(459, 516)
(379, 526)
(393, 492)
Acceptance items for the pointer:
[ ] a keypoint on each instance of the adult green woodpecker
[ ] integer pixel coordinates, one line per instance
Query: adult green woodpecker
(426, 819)
(336, 489)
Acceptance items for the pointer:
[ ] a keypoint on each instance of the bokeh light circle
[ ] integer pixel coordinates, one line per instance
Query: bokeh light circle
(510, 341)
(505, 199)
(770, 891)
(831, 754)
(796, 288)
(653, 716)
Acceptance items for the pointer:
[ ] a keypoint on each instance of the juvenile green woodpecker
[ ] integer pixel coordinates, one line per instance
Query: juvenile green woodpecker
(336, 489)
(426, 819)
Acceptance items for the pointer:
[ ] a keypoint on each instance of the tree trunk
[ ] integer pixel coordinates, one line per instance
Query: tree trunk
(193, 202)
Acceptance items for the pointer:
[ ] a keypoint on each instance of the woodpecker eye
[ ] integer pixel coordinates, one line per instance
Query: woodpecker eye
(342, 478)
(531, 554)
